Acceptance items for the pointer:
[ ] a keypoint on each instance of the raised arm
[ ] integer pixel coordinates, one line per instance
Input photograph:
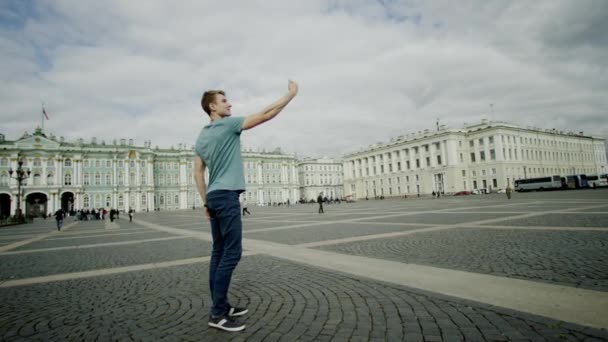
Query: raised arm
(272, 110)
(199, 179)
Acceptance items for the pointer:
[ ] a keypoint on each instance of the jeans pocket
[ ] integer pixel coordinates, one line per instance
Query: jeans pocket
(212, 213)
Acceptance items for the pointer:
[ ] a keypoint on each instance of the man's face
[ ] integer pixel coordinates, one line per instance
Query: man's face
(221, 106)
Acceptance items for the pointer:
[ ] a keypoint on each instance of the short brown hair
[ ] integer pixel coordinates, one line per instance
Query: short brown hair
(208, 98)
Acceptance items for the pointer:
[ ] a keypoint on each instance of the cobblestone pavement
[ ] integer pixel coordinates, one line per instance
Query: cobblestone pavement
(147, 280)
(570, 258)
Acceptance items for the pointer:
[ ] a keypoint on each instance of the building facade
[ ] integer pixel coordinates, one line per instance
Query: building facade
(86, 175)
(489, 155)
(318, 176)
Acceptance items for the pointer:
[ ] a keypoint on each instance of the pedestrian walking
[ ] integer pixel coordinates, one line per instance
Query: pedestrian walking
(320, 201)
(218, 147)
(59, 215)
(244, 205)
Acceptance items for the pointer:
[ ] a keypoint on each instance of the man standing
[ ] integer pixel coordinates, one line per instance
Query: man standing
(59, 215)
(218, 148)
(131, 211)
(320, 201)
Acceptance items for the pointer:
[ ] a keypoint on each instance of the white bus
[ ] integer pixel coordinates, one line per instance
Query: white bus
(539, 184)
(597, 181)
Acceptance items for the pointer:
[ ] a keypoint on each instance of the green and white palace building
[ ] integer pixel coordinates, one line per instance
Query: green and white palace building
(94, 174)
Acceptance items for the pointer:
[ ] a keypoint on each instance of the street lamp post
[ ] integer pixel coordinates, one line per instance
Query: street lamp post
(20, 175)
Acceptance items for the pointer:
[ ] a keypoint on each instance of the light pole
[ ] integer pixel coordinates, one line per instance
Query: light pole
(20, 176)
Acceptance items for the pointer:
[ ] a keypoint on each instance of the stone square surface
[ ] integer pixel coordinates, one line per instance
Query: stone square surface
(101, 281)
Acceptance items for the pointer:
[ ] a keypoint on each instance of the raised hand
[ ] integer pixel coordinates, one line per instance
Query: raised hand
(292, 87)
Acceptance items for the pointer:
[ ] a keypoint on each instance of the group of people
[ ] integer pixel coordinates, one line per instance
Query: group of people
(89, 215)
(437, 194)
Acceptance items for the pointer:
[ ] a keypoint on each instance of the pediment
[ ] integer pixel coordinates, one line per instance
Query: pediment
(36, 142)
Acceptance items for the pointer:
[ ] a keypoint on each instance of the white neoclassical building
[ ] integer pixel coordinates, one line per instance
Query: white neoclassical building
(271, 177)
(488, 155)
(95, 174)
(323, 175)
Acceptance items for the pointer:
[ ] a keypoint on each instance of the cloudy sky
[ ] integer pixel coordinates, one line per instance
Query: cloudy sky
(367, 70)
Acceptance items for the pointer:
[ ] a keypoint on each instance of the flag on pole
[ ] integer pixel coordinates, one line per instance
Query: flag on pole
(44, 112)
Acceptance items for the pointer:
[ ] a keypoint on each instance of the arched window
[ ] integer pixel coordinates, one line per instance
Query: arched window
(37, 179)
(67, 163)
(4, 178)
(50, 179)
(86, 201)
(97, 179)
(108, 179)
(86, 180)
(67, 179)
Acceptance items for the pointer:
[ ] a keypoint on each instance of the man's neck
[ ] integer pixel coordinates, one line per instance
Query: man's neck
(214, 117)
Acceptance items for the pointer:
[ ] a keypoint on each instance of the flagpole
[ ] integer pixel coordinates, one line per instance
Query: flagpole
(42, 117)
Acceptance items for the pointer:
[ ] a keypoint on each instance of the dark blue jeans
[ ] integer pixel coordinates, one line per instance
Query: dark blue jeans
(227, 232)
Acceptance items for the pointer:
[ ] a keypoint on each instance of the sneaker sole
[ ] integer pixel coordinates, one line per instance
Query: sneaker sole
(240, 313)
(221, 327)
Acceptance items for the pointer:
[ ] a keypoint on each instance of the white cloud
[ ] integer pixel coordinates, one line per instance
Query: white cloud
(367, 71)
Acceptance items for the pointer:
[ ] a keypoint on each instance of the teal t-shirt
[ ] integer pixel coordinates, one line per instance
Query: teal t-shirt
(219, 145)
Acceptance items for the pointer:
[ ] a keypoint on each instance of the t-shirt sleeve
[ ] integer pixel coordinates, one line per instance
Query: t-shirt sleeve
(236, 124)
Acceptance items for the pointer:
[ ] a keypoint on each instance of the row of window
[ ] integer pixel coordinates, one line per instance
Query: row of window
(268, 179)
(512, 154)
(95, 163)
(265, 166)
(408, 166)
(322, 167)
(505, 138)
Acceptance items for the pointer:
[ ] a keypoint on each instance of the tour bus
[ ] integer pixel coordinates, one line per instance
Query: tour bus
(541, 183)
(575, 182)
(595, 181)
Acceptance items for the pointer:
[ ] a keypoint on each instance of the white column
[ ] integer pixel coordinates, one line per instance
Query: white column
(114, 176)
(138, 177)
(78, 171)
(60, 171)
(127, 175)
